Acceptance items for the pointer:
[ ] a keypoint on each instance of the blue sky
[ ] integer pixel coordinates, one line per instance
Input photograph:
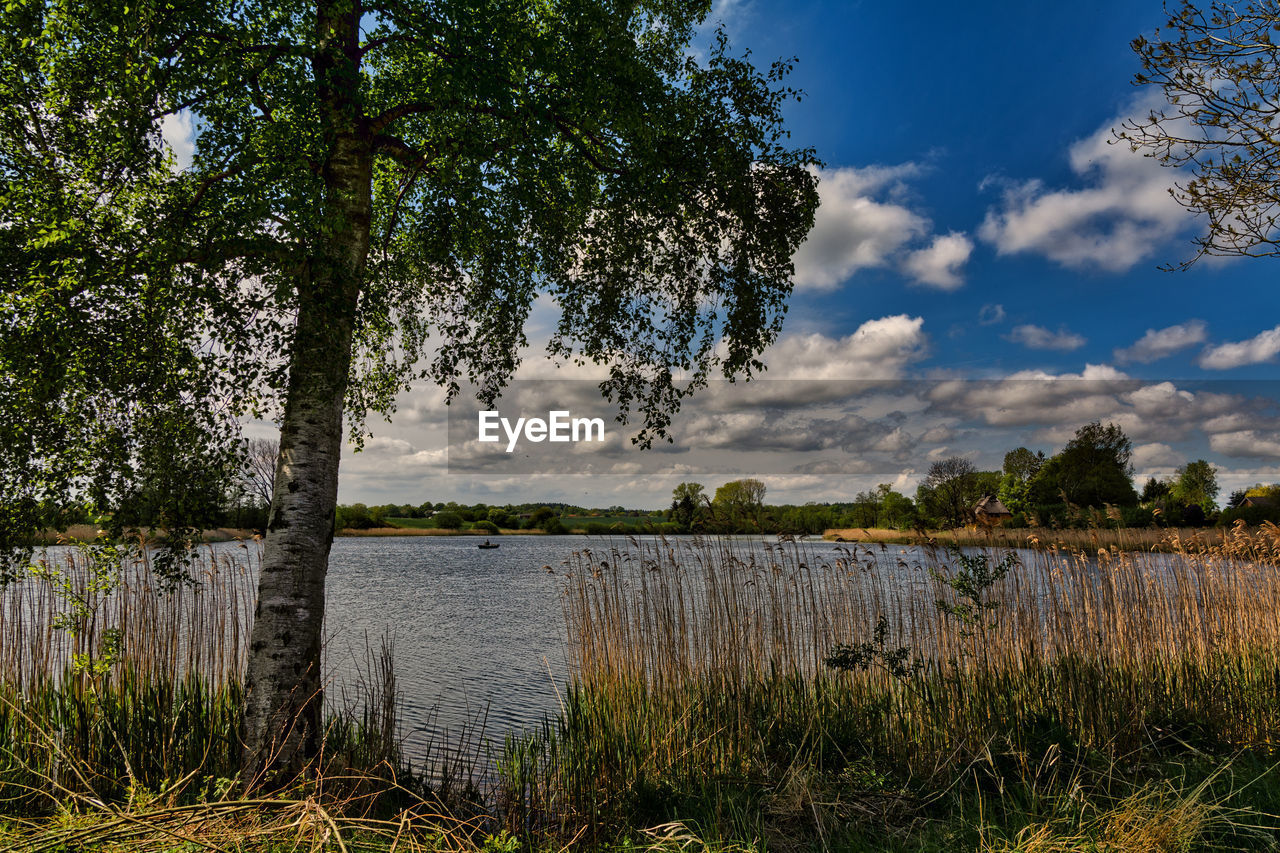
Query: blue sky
(981, 100)
(975, 225)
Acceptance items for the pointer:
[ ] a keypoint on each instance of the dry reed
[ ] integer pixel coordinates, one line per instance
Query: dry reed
(704, 660)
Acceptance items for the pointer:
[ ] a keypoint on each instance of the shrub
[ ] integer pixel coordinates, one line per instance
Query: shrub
(447, 520)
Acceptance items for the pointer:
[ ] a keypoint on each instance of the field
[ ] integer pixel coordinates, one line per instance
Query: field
(727, 695)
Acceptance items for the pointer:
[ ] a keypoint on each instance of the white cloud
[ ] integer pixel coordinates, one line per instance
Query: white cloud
(939, 265)
(1155, 455)
(878, 349)
(1260, 348)
(852, 230)
(1038, 337)
(1157, 344)
(990, 315)
(178, 133)
(1246, 443)
(728, 12)
(1119, 217)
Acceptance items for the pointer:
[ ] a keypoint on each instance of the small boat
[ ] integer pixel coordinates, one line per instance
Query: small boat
(487, 544)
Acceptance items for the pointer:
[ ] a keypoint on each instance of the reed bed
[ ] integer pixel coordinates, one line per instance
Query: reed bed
(709, 665)
(1167, 539)
(115, 681)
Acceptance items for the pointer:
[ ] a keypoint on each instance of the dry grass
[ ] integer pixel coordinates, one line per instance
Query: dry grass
(1156, 818)
(431, 531)
(112, 682)
(705, 660)
(1125, 538)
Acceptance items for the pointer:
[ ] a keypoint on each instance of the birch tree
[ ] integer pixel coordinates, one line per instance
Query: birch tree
(377, 192)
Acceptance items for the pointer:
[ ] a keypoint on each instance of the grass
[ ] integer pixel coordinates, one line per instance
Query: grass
(727, 696)
(1163, 539)
(421, 527)
(971, 704)
(116, 684)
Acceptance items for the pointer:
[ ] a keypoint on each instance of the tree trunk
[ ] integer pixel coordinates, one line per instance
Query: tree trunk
(283, 704)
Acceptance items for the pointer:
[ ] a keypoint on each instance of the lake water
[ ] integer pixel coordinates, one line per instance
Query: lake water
(479, 635)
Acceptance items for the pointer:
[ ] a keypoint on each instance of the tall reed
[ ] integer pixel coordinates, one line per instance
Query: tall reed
(114, 681)
(701, 662)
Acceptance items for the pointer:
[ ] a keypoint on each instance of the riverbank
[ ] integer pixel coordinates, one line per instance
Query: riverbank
(87, 533)
(728, 694)
(432, 531)
(1162, 539)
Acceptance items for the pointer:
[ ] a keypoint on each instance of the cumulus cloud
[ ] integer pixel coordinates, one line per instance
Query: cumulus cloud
(852, 229)
(940, 263)
(1157, 344)
(1155, 455)
(990, 315)
(1038, 337)
(178, 133)
(1260, 348)
(1119, 217)
(878, 349)
(1246, 443)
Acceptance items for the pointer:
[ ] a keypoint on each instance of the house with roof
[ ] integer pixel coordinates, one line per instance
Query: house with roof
(989, 511)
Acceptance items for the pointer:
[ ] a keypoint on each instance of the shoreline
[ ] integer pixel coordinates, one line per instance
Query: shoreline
(1042, 538)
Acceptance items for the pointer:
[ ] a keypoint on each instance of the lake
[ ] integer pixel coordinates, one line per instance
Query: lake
(479, 635)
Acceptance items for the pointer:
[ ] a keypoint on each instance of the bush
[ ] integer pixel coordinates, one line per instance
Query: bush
(1252, 515)
(486, 526)
(555, 526)
(447, 520)
(353, 517)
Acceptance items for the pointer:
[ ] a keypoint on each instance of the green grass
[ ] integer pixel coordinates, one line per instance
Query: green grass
(1044, 710)
(413, 523)
(1085, 702)
(629, 520)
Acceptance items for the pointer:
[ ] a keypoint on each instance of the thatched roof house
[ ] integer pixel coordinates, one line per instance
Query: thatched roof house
(990, 509)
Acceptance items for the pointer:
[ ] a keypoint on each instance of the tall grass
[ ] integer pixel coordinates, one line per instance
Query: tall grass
(1167, 539)
(701, 671)
(115, 682)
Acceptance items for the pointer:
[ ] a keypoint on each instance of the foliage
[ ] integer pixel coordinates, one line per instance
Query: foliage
(447, 520)
(1218, 67)
(898, 662)
(1153, 490)
(739, 504)
(949, 491)
(686, 504)
(973, 582)
(1093, 470)
(1196, 484)
(148, 306)
(1021, 464)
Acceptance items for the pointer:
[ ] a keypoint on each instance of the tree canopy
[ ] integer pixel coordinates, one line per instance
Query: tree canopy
(378, 193)
(1093, 469)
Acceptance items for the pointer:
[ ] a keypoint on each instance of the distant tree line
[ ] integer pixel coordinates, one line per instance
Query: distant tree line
(1087, 483)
